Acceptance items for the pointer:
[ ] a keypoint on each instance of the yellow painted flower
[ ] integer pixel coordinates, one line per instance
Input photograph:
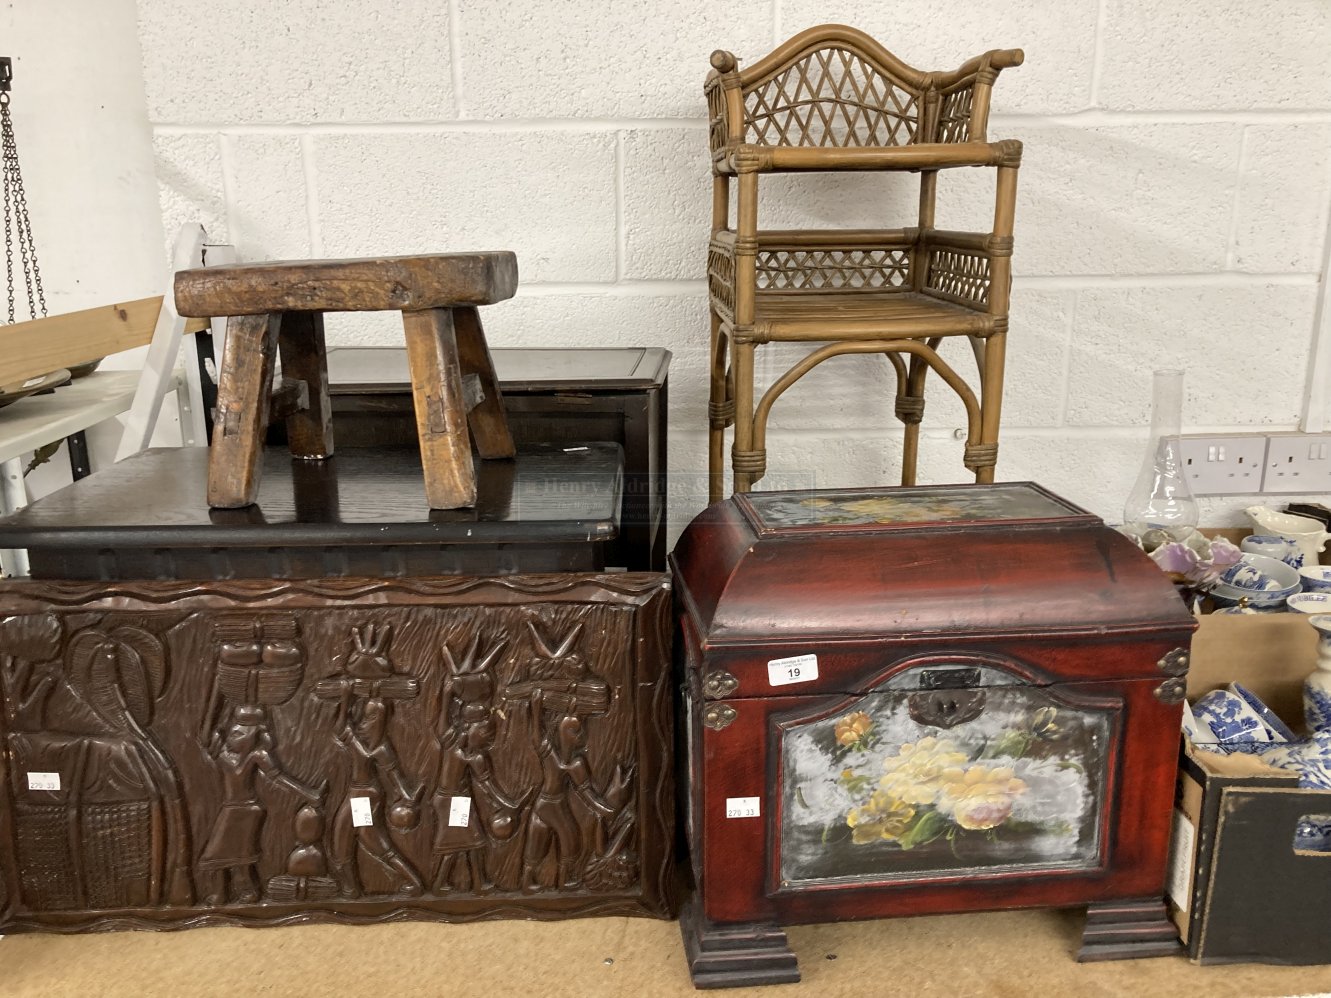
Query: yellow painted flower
(851, 728)
(917, 772)
(885, 818)
(981, 797)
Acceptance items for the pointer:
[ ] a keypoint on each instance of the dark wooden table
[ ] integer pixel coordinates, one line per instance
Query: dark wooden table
(565, 396)
(363, 512)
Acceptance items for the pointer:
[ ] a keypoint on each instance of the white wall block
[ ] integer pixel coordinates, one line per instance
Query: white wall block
(268, 213)
(667, 203)
(1243, 348)
(1092, 470)
(1037, 352)
(599, 58)
(1131, 199)
(1281, 217)
(1221, 55)
(936, 35)
(189, 184)
(549, 196)
(296, 61)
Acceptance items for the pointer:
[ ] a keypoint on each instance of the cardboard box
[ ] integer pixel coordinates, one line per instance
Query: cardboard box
(1238, 889)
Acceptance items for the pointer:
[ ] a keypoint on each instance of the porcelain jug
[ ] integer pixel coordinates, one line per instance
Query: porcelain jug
(1303, 530)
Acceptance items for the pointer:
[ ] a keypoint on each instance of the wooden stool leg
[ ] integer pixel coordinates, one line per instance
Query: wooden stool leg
(489, 420)
(441, 412)
(244, 386)
(301, 344)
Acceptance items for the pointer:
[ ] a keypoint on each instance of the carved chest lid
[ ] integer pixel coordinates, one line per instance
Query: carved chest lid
(1008, 560)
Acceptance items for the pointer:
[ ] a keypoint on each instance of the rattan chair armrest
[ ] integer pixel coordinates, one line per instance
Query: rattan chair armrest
(924, 156)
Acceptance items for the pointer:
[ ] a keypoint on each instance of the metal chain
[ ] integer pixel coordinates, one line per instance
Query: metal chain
(18, 221)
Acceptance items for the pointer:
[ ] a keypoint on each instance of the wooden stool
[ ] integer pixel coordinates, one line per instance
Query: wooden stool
(279, 306)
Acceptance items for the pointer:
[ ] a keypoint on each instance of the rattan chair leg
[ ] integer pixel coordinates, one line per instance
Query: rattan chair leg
(720, 414)
(743, 453)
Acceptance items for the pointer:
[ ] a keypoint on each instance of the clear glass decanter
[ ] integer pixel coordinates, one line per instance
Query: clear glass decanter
(1161, 498)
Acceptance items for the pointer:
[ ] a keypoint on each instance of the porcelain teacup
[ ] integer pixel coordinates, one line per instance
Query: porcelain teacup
(1316, 579)
(1273, 546)
(1230, 718)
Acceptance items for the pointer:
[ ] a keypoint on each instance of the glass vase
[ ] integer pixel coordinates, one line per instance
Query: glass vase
(1161, 498)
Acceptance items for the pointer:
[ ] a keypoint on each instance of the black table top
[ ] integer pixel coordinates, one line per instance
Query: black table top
(372, 370)
(550, 493)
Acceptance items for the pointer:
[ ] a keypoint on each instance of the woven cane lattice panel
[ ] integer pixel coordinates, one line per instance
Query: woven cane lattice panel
(831, 97)
(832, 269)
(716, 122)
(44, 857)
(117, 839)
(721, 280)
(959, 276)
(954, 117)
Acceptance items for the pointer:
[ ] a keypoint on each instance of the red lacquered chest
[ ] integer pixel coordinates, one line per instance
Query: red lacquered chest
(909, 701)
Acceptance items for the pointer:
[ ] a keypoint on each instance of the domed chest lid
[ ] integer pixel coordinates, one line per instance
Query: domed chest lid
(1010, 558)
(921, 507)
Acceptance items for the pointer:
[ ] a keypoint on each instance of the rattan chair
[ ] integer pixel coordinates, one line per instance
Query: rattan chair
(833, 99)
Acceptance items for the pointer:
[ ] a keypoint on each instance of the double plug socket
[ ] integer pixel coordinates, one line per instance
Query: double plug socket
(1251, 463)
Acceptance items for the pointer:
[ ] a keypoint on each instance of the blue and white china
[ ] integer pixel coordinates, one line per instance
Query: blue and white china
(1303, 530)
(1279, 730)
(1316, 579)
(1314, 603)
(1273, 546)
(1257, 581)
(1230, 718)
(1317, 687)
(1313, 833)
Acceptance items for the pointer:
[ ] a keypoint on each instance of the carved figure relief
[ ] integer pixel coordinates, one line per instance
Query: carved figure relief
(280, 767)
(231, 856)
(365, 692)
(113, 830)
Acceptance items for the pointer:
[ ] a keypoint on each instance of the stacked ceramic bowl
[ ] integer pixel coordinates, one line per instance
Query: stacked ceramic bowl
(1256, 582)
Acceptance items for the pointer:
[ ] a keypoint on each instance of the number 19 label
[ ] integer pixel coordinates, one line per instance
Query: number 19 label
(798, 669)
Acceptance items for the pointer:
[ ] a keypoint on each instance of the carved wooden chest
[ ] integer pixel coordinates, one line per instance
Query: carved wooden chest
(261, 748)
(355, 750)
(909, 701)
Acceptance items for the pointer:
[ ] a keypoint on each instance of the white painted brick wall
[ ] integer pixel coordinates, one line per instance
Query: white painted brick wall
(1172, 210)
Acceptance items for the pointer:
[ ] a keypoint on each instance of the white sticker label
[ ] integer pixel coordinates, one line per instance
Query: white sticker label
(361, 813)
(43, 781)
(1181, 852)
(743, 807)
(799, 669)
(459, 812)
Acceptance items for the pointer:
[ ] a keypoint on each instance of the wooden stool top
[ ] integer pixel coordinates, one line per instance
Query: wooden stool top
(375, 284)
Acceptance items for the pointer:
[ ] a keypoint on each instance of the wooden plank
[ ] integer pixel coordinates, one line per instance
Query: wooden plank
(394, 283)
(29, 349)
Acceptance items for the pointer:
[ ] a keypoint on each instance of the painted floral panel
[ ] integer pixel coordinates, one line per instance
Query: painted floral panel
(893, 506)
(873, 794)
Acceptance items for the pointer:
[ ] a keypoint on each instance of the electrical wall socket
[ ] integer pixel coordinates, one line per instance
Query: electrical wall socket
(1223, 466)
(1298, 462)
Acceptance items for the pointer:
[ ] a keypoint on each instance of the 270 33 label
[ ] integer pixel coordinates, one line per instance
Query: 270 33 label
(797, 669)
(744, 807)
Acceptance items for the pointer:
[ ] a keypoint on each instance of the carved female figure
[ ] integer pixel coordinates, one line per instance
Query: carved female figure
(465, 772)
(232, 852)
